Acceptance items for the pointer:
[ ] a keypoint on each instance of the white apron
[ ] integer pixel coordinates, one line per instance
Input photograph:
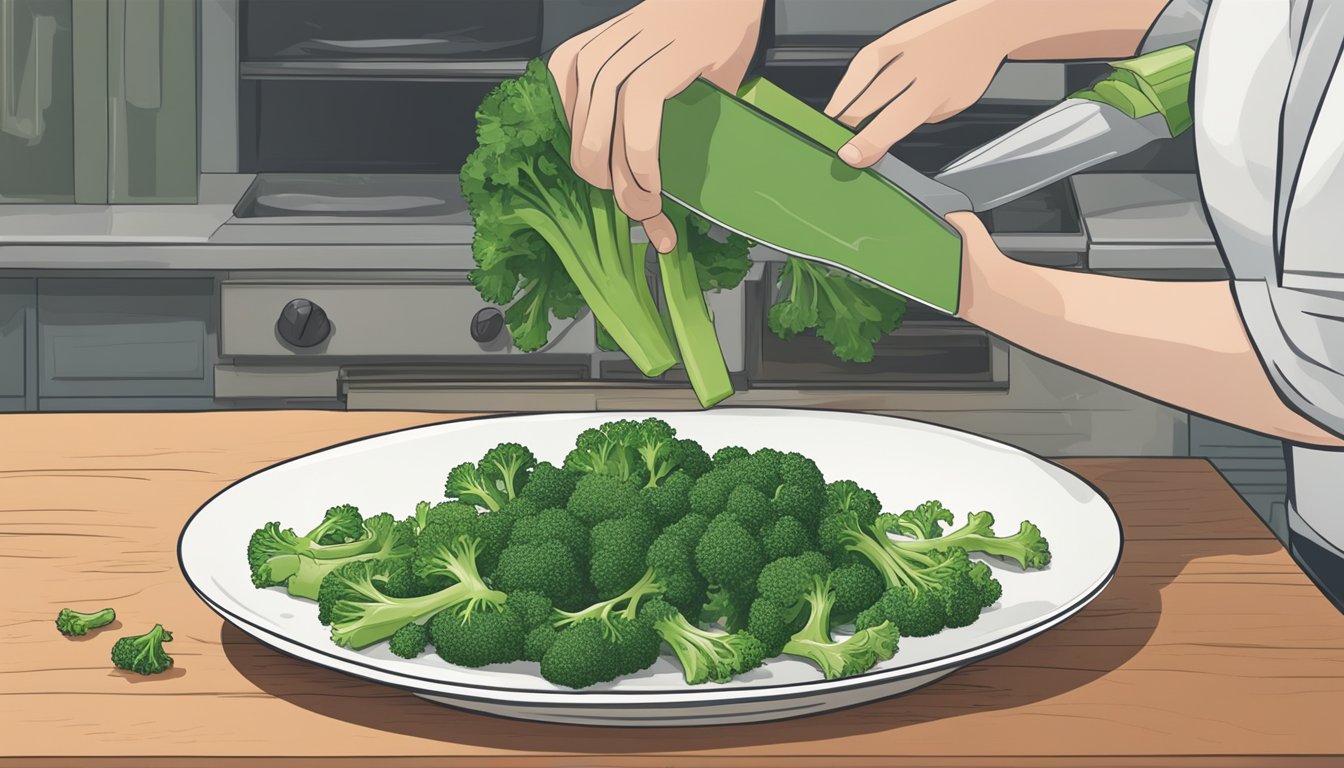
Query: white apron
(1269, 137)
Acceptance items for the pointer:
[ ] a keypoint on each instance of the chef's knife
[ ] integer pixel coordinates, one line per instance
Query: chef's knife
(763, 164)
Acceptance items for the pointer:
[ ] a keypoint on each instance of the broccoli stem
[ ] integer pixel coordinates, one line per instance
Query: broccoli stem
(624, 306)
(625, 605)
(694, 328)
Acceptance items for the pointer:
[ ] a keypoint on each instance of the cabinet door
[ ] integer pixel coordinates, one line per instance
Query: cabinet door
(16, 327)
(125, 337)
(151, 84)
(37, 161)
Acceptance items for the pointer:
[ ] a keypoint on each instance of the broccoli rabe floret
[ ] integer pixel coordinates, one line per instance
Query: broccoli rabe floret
(705, 655)
(844, 658)
(549, 486)
(143, 654)
(361, 614)
(273, 553)
(489, 634)
(670, 500)
(1028, 548)
(384, 539)
(75, 624)
(784, 537)
(468, 484)
(729, 556)
(410, 641)
(618, 557)
(547, 567)
(509, 466)
(604, 497)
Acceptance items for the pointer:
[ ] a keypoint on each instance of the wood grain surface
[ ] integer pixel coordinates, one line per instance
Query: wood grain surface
(1209, 648)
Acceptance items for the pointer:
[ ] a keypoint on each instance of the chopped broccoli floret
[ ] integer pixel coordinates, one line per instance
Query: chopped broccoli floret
(361, 614)
(468, 484)
(508, 465)
(492, 634)
(273, 553)
(670, 500)
(784, 537)
(549, 487)
(1028, 548)
(553, 525)
(384, 539)
(729, 556)
(548, 568)
(75, 624)
(853, 655)
(410, 641)
(618, 554)
(705, 655)
(925, 521)
(604, 497)
(143, 654)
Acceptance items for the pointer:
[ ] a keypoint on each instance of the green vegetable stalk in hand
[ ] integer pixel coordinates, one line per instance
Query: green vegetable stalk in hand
(75, 624)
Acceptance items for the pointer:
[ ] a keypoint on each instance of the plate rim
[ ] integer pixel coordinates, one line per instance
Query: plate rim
(704, 695)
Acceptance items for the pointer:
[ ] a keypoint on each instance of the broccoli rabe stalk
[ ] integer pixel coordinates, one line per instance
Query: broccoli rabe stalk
(624, 605)
(541, 230)
(851, 656)
(273, 554)
(1028, 548)
(361, 614)
(143, 654)
(691, 321)
(705, 655)
(74, 624)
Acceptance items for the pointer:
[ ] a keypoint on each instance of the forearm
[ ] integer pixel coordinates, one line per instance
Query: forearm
(1070, 29)
(1181, 343)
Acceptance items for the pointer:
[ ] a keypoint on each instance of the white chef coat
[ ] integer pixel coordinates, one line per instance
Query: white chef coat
(1269, 134)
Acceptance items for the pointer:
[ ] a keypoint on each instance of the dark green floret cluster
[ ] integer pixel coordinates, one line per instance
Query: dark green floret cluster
(639, 543)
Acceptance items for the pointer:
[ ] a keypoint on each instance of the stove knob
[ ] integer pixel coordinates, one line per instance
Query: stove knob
(303, 324)
(486, 325)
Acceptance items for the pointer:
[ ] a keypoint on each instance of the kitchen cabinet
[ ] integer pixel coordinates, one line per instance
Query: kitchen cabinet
(37, 121)
(16, 344)
(98, 101)
(146, 342)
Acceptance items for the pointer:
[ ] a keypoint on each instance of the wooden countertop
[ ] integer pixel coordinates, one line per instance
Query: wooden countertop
(1209, 648)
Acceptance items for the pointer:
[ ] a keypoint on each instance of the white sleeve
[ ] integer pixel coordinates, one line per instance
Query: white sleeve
(1181, 21)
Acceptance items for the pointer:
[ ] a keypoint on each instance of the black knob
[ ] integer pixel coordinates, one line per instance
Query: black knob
(486, 325)
(303, 323)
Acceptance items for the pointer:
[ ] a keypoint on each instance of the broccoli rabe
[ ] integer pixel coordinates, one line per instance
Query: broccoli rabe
(639, 542)
(705, 655)
(143, 654)
(75, 624)
(410, 641)
(273, 553)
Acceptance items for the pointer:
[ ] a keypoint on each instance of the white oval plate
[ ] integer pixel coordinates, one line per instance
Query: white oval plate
(905, 462)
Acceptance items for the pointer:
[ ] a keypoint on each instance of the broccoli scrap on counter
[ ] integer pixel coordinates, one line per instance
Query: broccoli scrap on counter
(635, 543)
(143, 654)
(75, 624)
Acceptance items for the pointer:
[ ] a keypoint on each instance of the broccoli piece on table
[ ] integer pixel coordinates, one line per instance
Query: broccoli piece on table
(143, 654)
(75, 624)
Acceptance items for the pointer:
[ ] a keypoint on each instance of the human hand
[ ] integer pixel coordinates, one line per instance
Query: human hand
(614, 78)
(984, 270)
(923, 71)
